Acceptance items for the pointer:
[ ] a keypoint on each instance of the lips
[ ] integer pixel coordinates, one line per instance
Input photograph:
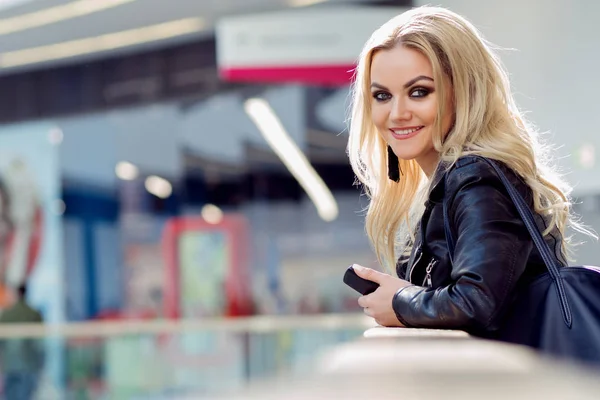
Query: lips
(405, 133)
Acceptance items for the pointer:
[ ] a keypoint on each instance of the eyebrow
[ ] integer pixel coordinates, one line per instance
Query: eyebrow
(407, 84)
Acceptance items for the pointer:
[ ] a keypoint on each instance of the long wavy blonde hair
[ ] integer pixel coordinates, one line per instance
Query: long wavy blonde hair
(487, 122)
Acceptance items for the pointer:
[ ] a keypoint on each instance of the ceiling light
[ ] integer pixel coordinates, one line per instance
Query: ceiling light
(211, 214)
(126, 171)
(158, 186)
(59, 207)
(263, 116)
(55, 14)
(55, 136)
(105, 42)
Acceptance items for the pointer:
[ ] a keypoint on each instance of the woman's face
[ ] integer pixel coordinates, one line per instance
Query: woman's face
(404, 104)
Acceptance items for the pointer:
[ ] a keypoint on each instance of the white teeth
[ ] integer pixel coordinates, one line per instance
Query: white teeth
(405, 131)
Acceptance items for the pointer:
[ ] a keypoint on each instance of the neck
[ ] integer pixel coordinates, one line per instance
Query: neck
(429, 164)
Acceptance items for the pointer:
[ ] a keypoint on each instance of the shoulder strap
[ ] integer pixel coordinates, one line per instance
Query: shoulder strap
(529, 220)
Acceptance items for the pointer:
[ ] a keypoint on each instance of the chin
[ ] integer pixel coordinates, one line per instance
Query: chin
(406, 154)
(410, 149)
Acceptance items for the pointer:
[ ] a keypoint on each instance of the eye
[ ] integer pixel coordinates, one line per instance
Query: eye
(419, 92)
(381, 96)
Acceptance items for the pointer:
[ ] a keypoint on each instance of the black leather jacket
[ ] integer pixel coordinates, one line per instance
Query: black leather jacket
(493, 252)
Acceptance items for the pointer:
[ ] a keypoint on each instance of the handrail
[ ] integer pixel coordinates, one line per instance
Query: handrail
(392, 363)
(255, 324)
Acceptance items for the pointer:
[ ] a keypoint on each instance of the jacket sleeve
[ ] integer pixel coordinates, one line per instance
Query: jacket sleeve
(491, 251)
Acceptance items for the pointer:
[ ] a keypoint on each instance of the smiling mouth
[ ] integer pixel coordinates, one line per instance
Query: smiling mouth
(404, 133)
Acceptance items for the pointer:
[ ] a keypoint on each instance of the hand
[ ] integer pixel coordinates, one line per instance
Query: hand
(378, 305)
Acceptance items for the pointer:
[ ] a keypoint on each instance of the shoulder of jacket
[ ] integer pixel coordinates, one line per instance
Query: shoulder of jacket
(470, 167)
(450, 178)
(474, 169)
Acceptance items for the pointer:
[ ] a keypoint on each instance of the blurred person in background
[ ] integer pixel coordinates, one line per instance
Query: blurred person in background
(20, 311)
(429, 99)
(22, 358)
(6, 230)
(25, 214)
(21, 225)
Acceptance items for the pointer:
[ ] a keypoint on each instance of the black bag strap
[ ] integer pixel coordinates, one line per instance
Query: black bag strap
(529, 220)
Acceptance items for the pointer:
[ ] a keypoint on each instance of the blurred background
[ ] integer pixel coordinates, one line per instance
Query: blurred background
(184, 160)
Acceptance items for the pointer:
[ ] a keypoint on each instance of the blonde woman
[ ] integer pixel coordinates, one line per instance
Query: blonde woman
(432, 103)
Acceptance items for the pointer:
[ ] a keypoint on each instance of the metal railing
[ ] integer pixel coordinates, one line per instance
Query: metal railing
(167, 358)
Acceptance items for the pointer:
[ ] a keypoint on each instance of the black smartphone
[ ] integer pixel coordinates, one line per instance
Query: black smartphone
(359, 284)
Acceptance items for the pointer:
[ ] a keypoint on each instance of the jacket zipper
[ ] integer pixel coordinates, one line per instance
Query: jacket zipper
(415, 262)
(427, 281)
(428, 206)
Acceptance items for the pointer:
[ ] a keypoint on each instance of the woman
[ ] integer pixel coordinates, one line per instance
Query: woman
(430, 99)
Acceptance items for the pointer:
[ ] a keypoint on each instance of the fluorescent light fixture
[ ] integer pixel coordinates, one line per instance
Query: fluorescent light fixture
(263, 116)
(304, 3)
(55, 14)
(211, 214)
(110, 41)
(126, 171)
(158, 186)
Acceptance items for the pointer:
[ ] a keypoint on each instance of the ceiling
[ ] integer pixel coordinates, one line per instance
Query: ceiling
(27, 29)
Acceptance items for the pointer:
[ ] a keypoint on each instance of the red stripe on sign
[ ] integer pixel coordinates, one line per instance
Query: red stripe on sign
(330, 75)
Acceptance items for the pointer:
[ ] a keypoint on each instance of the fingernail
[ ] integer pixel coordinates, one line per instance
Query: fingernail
(357, 268)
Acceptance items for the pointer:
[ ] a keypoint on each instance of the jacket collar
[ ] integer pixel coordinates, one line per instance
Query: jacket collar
(436, 187)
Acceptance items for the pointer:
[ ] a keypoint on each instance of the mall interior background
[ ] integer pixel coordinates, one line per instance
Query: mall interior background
(141, 189)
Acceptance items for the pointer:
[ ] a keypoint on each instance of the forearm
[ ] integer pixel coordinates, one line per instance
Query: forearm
(444, 308)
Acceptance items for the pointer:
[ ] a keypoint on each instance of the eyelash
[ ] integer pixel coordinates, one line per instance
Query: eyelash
(376, 95)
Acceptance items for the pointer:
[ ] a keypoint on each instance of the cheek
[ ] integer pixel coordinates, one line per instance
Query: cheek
(379, 115)
(428, 110)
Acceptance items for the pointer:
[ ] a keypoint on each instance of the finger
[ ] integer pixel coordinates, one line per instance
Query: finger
(362, 301)
(367, 312)
(369, 274)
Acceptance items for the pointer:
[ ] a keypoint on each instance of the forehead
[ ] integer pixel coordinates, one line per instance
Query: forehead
(398, 65)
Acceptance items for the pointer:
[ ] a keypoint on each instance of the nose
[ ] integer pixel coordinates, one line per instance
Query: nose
(400, 111)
